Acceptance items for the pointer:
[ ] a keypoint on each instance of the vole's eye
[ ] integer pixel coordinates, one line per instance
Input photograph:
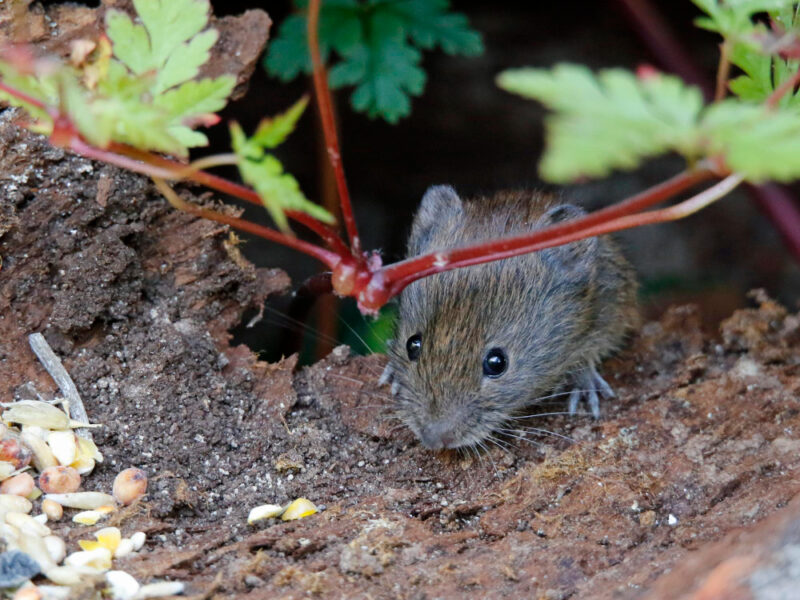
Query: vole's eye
(414, 346)
(495, 363)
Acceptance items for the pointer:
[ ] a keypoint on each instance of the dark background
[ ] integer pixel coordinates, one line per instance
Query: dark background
(467, 132)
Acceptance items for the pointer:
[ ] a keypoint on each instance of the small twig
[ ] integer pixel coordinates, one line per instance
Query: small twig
(329, 127)
(52, 364)
(178, 170)
(329, 259)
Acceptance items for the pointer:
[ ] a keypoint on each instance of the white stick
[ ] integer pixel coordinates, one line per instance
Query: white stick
(51, 362)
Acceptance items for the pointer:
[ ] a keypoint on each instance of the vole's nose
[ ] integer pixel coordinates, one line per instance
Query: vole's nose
(437, 435)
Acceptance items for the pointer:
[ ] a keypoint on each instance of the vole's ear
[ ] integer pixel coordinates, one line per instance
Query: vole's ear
(577, 257)
(440, 207)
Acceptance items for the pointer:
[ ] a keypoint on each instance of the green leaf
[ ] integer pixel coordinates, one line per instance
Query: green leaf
(608, 121)
(272, 132)
(763, 72)
(732, 18)
(279, 191)
(377, 42)
(760, 144)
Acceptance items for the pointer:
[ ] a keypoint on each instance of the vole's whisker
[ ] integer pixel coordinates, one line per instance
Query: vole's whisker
(355, 333)
(499, 443)
(515, 433)
(334, 392)
(285, 320)
(547, 414)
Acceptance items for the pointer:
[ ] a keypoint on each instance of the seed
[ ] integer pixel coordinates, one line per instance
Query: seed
(161, 589)
(265, 511)
(59, 480)
(28, 592)
(6, 470)
(138, 540)
(63, 445)
(99, 558)
(52, 509)
(298, 509)
(108, 537)
(123, 585)
(11, 450)
(35, 547)
(43, 457)
(12, 503)
(82, 500)
(86, 457)
(18, 485)
(55, 547)
(90, 517)
(27, 524)
(56, 592)
(9, 534)
(65, 575)
(33, 412)
(124, 548)
(130, 485)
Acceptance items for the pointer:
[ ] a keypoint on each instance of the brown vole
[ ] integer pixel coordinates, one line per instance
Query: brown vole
(477, 346)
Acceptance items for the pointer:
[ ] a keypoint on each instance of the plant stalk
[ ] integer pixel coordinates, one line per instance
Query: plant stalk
(400, 274)
(325, 106)
(326, 257)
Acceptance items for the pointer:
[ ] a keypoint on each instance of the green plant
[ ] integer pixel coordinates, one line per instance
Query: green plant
(378, 45)
(616, 119)
(601, 122)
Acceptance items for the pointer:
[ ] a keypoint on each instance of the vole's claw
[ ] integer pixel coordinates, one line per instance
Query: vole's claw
(590, 386)
(388, 377)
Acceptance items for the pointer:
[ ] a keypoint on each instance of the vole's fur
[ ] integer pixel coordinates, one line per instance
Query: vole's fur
(555, 314)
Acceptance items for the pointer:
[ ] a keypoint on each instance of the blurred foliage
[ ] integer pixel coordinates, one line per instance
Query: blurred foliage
(378, 45)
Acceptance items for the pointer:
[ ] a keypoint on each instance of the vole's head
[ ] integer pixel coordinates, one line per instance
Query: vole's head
(475, 346)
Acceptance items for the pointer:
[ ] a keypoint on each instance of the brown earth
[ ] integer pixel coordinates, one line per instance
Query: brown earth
(684, 489)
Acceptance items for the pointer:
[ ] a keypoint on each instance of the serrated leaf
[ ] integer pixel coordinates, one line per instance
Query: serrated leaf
(763, 74)
(610, 121)
(168, 40)
(185, 61)
(272, 132)
(287, 55)
(377, 43)
(279, 191)
(429, 25)
(196, 98)
(732, 18)
(758, 143)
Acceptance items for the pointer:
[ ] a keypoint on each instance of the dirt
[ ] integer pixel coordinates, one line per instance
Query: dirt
(683, 489)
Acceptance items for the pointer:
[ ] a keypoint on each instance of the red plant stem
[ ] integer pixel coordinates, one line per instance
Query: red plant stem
(782, 90)
(326, 257)
(179, 170)
(329, 128)
(417, 268)
(723, 71)
(24, 97)
(400, 274)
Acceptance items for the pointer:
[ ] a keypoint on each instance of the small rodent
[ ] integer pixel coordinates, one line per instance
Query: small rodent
(476, 347)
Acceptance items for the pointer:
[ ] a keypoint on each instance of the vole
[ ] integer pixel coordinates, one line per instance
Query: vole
(476, 347)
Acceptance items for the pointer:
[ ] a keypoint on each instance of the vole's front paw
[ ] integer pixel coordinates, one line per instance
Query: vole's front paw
(388, 377)
(589, 386)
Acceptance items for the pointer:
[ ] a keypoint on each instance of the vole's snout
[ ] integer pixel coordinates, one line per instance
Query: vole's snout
(438, 435)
